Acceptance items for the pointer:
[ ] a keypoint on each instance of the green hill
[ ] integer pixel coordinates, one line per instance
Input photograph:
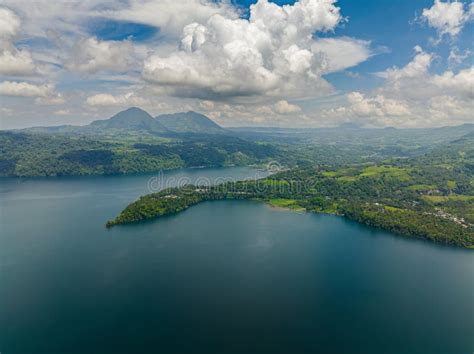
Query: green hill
(189, 122)
(130, 119)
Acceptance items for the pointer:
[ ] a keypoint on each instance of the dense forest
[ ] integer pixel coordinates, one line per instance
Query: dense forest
(39, 154)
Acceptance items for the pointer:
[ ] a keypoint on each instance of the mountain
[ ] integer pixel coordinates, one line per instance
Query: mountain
(189, 122)
(131, 119)
(137, 120)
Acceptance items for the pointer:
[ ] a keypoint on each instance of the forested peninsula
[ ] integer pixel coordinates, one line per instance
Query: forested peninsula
(430, 201)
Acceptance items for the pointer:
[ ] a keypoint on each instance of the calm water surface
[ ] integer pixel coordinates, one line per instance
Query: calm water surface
(222, 277)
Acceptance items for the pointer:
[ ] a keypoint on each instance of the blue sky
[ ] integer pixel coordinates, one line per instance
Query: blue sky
(366, 62)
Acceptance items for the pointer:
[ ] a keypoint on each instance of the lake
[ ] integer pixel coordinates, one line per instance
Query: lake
(221, 277)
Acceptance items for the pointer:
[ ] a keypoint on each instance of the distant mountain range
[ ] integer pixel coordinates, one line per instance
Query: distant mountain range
(137, 120)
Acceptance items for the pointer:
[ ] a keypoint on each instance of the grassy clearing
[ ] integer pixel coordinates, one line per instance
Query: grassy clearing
(329, 173)
(352, 174)
(342, 172)
(280, 202)
(285, 203)
(387, 171)
(422, 187)
(438, 199)
(393, 209)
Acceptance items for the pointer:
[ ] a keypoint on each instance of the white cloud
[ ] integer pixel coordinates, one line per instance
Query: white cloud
(461, 84)
(105, 99)
(16, 62)
(91, 55)
(51, 100)
(412, 96)
(45, 94)
(269, 54)
(255, 114)
(377, 106)
(171, 16)
(342, 53)
(412, 80)
(43, 18)
(415, 81)
(283, 107)
(46, 18)
(62, 26)
(417, 67)
(450, 109)
(25, 89)
(456, 57)
(9, 24)
(13, 61)
(448, 18)
(207, 105)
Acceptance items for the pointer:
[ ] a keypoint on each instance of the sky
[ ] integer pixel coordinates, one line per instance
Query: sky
(306, 63)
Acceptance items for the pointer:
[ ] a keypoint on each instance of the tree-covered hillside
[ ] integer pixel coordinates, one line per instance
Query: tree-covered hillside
(59, 154)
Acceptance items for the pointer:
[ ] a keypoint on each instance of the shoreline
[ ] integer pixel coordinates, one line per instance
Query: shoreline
(111, 223)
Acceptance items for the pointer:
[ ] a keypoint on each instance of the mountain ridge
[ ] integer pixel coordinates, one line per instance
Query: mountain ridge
(133, 118)
(189, 122)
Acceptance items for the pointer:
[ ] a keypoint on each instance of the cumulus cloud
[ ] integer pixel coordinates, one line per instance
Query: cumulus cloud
(13, 61)
(91, 55)
(377, 106)
(417, 67)
(16, 62)
(448, 18)
(106, 99)
(413, 96)
(461, 83)
(283, 107)
(450, 109)
(414, 80)
(45, 94)
(270, 54)
(25, 89)
(376, 110)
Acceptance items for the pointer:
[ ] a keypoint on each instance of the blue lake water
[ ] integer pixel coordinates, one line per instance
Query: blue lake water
(222, 277)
